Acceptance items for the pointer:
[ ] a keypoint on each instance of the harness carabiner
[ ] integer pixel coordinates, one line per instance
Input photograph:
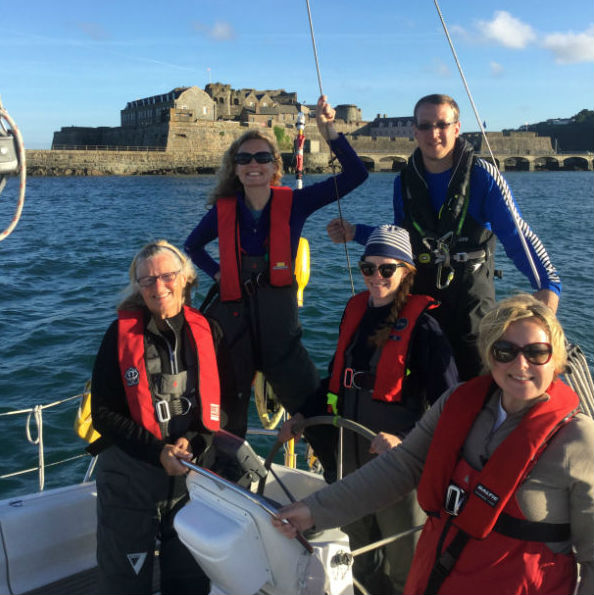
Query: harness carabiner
(444, 267)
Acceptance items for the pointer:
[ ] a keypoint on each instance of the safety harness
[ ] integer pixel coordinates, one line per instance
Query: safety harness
(439, 233)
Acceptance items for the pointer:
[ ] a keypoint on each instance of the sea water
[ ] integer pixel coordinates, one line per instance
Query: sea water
(63, 269)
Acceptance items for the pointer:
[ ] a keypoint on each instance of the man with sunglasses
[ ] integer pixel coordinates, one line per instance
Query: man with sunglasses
(454, 205)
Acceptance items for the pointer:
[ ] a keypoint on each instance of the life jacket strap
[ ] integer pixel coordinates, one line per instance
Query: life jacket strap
(532, 530)
(446, 562)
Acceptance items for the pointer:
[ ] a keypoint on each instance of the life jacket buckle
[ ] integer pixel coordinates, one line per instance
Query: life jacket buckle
(163, 411)
(347, 379)
(188, 404)
(455, 500)
(250, 287)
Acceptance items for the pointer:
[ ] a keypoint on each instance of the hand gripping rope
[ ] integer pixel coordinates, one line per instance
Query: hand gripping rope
(12, 161)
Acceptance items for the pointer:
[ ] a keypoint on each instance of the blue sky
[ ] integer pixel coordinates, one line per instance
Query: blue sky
(77, 63)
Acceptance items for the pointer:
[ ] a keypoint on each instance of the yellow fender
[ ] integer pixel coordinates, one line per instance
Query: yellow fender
(270, 411)
(83, 424)
(302, 268)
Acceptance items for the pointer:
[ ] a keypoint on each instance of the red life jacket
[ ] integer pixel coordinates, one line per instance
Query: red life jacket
(134, 376)
(492, 562)
(279, 239)
(391, 368)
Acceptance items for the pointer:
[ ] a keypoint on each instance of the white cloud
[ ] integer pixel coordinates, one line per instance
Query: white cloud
(571, 47)
(507, 30)
(222, 31)
(496, 68)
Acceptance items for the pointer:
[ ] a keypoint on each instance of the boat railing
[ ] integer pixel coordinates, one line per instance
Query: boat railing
(34, 433)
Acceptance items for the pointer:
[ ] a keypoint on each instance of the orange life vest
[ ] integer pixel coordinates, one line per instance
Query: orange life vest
(391, 368)
(135, 379)
(279, 239)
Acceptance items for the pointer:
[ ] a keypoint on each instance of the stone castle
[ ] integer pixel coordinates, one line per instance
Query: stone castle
(186, 117)
(187, 130)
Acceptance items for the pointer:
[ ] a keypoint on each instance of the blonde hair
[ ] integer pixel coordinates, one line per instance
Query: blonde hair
(132, 296)
(228, 183)
(521, 307)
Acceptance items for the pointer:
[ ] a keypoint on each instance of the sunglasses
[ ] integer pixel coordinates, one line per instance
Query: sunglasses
(439, 125)
(260, 157)
(536, 353)
(386, 270)
(152, 279)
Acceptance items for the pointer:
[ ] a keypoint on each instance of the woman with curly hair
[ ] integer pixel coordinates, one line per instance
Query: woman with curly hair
(258, 224)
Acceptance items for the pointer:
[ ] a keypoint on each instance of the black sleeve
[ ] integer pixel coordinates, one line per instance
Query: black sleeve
(109, 407)
(431, 358)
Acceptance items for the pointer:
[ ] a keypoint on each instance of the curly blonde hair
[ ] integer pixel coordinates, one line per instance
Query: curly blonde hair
(521, 307)
(132, 296)
(228, 183)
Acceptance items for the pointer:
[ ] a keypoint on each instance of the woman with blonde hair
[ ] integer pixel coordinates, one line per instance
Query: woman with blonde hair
(503, 466)
(258, 225)
(156, 399)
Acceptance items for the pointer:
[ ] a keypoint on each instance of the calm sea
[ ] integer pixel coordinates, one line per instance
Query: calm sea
(63, 268)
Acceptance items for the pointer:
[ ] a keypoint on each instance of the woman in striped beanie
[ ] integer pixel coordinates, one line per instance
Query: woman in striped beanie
(391, 363)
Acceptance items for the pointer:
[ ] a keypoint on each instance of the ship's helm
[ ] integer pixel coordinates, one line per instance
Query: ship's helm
(228, 530)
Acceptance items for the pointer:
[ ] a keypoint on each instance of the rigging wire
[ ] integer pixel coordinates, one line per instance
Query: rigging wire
(332, 160)
(484, 135)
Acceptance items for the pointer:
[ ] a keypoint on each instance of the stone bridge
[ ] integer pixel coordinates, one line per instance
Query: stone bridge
(383, 161)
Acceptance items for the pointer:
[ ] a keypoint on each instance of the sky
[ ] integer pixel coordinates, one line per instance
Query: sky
(67, 63)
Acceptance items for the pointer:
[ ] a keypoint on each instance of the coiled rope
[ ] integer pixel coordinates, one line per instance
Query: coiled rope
(22, 166)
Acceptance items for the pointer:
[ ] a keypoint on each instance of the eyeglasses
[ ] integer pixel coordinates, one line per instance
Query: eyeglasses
(150, 280)
(425, 126)
(386, 270)
(260, 157)
(536, 353)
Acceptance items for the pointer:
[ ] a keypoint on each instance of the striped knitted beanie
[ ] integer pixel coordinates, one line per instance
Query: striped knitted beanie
(390, 241)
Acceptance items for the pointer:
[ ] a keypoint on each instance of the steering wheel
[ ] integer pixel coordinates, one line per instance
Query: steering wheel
(318, 420)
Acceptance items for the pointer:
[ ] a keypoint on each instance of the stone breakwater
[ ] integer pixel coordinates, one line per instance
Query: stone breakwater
(138, 163)
(118, 163)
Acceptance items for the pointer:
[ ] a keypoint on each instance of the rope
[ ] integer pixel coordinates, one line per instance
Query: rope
(313, 43)
(332, 156)
(484, 135)
(22, 170)
(37, 412)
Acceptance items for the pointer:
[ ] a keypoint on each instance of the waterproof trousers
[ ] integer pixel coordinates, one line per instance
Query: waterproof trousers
(263, 333)
(136, 504)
